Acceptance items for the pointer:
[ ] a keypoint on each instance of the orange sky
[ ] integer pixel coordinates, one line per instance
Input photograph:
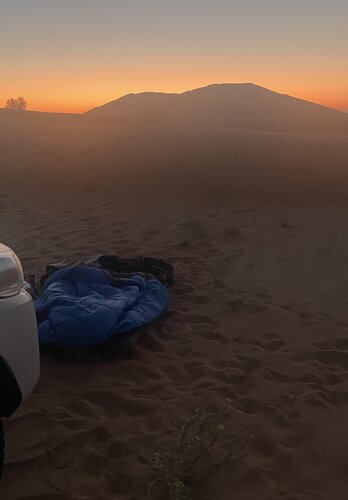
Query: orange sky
(78, 102)
(75, 96)
(72, 55)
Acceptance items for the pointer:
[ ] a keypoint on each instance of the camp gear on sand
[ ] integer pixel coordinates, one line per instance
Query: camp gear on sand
(87, 305)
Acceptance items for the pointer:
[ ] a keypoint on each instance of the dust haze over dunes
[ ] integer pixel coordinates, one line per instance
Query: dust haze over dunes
(241, 136)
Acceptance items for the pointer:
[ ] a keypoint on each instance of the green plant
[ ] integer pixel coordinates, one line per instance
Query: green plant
(189, 458)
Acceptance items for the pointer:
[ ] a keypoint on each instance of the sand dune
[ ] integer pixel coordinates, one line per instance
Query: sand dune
(242, 136)
(254, 222)
(44, 151)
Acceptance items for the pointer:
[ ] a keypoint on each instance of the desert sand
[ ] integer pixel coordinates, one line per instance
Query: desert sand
(257, 232)
(281, 355)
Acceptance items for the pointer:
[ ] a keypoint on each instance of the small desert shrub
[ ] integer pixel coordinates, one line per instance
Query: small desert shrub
(192, 229)
(238, 300)
(232, 233)
(284, 224)
(189, 459)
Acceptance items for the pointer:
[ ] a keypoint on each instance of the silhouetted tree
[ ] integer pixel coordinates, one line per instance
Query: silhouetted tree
(19, 104)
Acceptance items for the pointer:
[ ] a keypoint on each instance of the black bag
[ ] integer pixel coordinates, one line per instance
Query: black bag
(158, 268)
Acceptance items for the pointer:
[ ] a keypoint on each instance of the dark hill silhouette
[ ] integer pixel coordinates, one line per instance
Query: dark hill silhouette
(240, 106)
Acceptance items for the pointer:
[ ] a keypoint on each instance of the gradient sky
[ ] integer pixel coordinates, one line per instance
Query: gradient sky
(71, 55)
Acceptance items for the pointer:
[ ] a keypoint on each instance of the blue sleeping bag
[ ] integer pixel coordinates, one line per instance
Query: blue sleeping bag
(86, 306)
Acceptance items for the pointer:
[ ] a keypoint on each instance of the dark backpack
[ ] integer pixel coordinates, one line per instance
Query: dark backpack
(158, 268)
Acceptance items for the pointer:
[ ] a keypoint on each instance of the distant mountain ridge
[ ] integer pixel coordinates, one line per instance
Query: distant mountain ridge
(233, 106)
(243, 106)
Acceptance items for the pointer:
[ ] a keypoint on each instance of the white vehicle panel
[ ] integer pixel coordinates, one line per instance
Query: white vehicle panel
(19, 344)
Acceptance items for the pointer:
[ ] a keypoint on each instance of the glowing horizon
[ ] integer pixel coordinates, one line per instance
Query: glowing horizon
(73, 55)
(83, 106)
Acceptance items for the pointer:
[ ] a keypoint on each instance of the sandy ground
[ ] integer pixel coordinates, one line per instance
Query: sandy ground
(280, 354)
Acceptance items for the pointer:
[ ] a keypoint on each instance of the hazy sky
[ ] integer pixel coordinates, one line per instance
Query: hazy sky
(70, 55)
